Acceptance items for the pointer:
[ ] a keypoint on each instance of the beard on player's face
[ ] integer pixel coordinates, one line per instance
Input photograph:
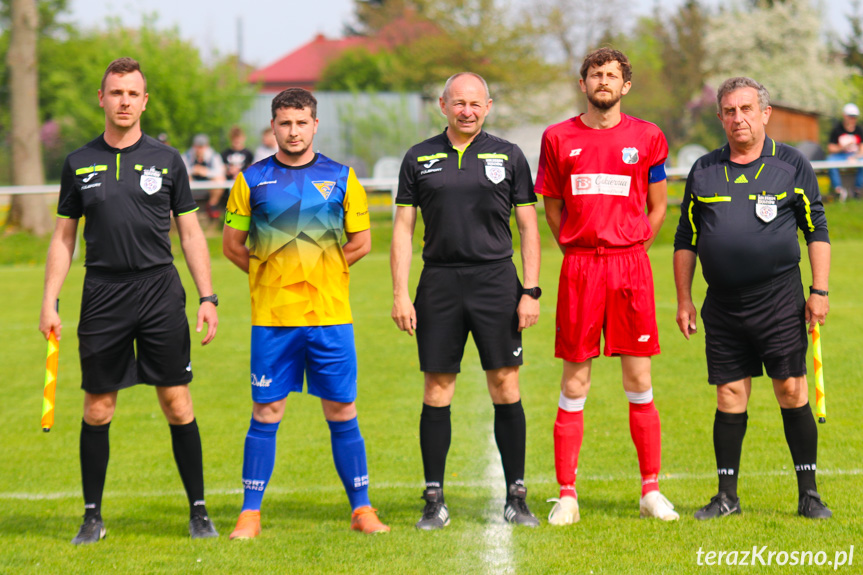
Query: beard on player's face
(603, 104)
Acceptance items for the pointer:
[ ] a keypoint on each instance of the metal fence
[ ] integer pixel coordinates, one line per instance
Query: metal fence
(380, 185)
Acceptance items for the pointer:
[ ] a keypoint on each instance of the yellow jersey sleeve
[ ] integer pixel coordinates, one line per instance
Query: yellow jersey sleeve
(238, 213)
(356, 205)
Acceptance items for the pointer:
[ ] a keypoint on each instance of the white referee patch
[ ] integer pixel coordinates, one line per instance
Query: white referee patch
(495, 174)
(151, 181)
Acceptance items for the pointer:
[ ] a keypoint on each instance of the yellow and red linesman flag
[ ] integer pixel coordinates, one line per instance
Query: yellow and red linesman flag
(50, 382)
(820, 408)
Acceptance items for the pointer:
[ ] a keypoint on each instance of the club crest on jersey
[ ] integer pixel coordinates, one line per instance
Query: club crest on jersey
(765, 207)
(325, 188)
(630, 155)
(151, 180)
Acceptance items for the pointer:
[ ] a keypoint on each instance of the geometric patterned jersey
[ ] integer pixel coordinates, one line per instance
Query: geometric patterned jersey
(296, 216)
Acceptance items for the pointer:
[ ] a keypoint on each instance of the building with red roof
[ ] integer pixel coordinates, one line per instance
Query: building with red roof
(303, 67)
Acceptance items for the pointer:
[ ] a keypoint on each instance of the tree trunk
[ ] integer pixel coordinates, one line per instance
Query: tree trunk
(28, 212)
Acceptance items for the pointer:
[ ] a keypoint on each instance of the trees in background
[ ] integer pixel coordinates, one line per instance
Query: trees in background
(780, 44)
(30, 213)
(188, 94)
(418, 44)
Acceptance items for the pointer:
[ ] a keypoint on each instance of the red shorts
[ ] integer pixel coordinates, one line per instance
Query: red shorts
(610, 290)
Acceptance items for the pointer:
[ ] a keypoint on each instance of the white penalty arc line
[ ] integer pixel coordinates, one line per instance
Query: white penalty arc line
(493, 472)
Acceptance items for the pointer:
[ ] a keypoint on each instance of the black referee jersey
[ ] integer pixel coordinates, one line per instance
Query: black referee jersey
(127, 196)
(742, 220)
(465, 197)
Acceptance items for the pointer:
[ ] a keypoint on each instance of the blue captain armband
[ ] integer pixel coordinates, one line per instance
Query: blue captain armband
(656, 173)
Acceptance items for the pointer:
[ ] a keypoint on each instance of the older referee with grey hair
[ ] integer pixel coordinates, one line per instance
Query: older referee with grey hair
(743, 205)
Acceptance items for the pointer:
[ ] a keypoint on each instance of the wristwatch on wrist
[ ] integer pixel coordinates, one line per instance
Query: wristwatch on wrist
(213, 299)
(533, 292)
(823, 292)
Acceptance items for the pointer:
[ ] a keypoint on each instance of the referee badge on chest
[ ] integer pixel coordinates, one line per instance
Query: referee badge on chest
(494, 170)
(765, 207)
(151, 180)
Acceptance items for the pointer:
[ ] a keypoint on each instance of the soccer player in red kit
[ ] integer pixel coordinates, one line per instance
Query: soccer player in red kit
(597, 172)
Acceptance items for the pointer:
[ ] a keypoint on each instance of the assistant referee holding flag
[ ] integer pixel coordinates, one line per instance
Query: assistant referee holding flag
(127, 184)
(743, 205)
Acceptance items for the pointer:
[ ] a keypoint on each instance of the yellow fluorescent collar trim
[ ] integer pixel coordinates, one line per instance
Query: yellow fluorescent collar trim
(726, 173)
(492, 157)
(714, 199)
(758, 173)
(91, 169)
(237, 221)
(439, 156)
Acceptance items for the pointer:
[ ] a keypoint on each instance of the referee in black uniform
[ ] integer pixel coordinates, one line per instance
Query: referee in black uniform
(127, 185)
(466, 183)
(741, 210)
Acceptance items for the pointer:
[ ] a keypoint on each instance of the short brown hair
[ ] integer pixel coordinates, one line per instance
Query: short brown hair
(296, 98)
(236, 132)
(602, 57)
(123, 66)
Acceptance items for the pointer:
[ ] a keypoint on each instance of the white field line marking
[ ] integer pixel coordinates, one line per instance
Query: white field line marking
(497, 535)
(494, 473)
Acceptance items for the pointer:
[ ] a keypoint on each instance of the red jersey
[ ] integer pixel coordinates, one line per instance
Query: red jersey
(602, 177)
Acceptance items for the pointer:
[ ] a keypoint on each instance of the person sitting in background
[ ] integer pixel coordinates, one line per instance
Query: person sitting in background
(844, 144)
(268, 145)
(205, 165)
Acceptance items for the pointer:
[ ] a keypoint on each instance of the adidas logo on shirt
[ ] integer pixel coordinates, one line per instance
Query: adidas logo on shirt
(741, 179)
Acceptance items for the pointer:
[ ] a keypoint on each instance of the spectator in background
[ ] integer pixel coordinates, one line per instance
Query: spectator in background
(268, 145)
(205, 165)
(238, 157)
(844, 144)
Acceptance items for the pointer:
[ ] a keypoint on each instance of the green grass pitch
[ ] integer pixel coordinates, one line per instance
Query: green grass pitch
(305, 513)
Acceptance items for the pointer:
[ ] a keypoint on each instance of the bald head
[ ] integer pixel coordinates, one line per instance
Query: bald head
(461, 78)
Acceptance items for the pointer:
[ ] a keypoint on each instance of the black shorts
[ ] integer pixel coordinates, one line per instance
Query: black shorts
(145, 310)
(748, 327)
(482, 300)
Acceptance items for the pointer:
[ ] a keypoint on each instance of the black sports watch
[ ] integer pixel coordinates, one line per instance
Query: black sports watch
(213, 299)
(533, 292)
(823, 292)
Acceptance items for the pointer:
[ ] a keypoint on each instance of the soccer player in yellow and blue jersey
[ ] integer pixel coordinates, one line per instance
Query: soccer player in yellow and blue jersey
(284, 225)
